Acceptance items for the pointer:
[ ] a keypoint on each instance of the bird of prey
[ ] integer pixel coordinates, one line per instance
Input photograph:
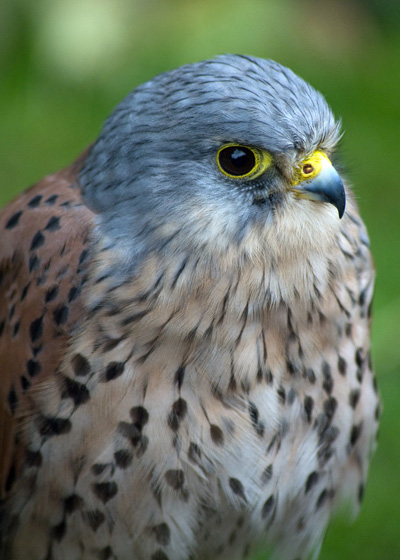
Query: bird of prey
(184, 330)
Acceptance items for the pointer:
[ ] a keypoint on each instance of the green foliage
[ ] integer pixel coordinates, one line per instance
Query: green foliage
(65, 64)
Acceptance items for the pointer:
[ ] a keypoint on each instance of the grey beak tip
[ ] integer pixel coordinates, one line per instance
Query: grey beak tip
(341, 205)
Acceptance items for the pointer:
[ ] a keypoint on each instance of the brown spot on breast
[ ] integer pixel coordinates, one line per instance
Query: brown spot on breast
(94, 518)
(105, 490)
(80, 365)
(217, 434)
(175, 478)
(267, 507)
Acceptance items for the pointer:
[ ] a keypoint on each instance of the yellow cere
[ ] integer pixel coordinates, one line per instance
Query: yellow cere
(255, 167)
(310, 167)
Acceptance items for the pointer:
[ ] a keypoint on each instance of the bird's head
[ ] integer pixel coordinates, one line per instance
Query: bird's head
(224, 156)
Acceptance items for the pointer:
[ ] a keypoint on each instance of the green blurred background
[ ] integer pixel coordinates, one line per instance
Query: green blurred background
(64, 64)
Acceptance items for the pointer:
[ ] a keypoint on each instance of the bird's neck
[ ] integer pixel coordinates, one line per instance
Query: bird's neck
(193, 315)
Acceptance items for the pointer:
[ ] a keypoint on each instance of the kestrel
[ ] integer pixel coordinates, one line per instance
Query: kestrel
(184, 330)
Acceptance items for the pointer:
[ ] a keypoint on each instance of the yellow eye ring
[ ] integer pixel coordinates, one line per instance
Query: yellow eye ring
(242, 162)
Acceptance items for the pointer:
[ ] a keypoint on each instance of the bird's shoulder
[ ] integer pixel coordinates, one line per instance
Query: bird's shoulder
(44, 252)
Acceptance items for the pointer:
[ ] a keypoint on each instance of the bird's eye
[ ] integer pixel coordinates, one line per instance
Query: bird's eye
(241, 162)
(236, 160)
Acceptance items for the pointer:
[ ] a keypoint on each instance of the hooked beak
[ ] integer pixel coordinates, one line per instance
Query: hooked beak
(324, 183)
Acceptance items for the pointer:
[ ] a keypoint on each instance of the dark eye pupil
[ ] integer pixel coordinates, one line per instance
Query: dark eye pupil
(237, 160)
